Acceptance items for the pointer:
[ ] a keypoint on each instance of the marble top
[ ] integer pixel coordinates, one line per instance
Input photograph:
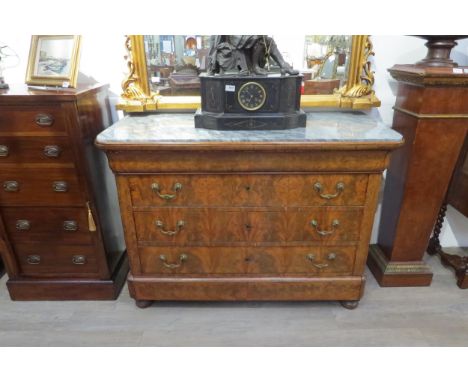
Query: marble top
(322, 126)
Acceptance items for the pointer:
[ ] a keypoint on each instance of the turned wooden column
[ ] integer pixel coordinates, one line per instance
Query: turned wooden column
(431, 112)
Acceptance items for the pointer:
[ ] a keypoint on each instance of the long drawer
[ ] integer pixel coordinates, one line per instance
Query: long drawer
(52, 150)
(247, 225)
(48, 225)
(338, 260)
(36, 187)
(32, 119)
(52, 259)
(248, 190)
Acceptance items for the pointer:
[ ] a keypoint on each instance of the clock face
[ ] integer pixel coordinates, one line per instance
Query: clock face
(251, 96)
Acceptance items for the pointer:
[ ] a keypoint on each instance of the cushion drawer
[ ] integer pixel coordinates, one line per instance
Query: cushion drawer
(34, 119)
(35, 150)
(38, 187)
(236, 225)
(247, 260)
(50, 259)
(48, 225)
(248, 190)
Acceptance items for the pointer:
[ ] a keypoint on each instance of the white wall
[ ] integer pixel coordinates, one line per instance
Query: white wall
(102, 61)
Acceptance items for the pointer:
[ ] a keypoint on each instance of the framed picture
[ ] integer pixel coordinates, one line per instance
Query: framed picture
(53, 60)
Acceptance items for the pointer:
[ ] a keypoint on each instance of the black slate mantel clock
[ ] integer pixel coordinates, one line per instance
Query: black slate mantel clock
(261, 102)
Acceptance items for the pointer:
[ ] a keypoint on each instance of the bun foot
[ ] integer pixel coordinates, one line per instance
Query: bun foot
(142, 304)
(349, 304)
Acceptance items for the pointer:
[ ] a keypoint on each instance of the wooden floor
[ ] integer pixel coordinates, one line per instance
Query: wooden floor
(432, 316)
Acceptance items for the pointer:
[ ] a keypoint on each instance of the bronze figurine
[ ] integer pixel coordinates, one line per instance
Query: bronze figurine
(245, 55)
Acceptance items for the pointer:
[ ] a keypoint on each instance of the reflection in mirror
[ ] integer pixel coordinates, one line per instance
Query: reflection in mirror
(174, 62)
(327, 60)
(162, 69)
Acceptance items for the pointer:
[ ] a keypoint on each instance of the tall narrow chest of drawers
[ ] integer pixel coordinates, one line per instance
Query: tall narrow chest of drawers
(248, 215)
(60, 231)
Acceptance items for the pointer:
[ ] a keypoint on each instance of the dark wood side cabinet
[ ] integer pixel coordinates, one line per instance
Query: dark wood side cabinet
(60, 232)
(457, 196)
(431, 112)
(248, 215)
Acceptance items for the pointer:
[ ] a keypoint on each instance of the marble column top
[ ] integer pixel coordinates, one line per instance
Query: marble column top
(322, 126)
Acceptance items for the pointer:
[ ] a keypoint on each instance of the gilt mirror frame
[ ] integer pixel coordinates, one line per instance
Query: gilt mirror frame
(356, 94)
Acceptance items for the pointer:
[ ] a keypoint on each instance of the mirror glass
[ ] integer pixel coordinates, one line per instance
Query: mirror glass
(175, 61)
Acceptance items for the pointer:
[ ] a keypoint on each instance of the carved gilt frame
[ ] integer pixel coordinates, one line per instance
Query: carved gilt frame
(356, 94)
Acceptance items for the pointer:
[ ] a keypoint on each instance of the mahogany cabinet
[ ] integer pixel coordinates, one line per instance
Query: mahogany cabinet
(248, 215)
(431, 112)
(60, 231)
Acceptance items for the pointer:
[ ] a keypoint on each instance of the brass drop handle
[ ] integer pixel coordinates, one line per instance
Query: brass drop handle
(182, 258)
(44, 120)
(311, 257)
(11, 186)
(60, 186)
(79, 260)
(4, 151)
(23, 225)
(176, 187)
(339, 189)
(52, 151)
(70, 225)
(335, 224)
(33, 259)
(179, 226)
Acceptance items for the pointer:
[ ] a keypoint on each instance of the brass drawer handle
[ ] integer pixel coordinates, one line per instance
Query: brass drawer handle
(331, 256)
(44, 120)
(70, 225)
(335, 224)
(60, 186)
(339, 189)
(179, 226)
(79, 260)
(176, 187)
(33, 259)
(11, 186)
(23, 225)
(52, 151)
(4, 151)
(311, 258)
(182, 258)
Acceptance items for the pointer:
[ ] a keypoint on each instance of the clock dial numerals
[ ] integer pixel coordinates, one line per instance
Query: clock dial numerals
(251, 96)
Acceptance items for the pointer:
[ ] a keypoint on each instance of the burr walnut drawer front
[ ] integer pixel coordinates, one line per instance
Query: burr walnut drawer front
(60, 225)
(52, 259)
(32, 119)
(248, 190)
(230, 225)
(36, 187)
(247, 260)
(52, 150)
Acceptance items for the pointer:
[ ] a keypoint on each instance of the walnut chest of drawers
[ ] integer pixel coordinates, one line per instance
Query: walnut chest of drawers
(60, 231)
(248, 215)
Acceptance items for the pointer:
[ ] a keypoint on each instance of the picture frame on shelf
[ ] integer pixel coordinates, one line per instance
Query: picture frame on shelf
(53, 60)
